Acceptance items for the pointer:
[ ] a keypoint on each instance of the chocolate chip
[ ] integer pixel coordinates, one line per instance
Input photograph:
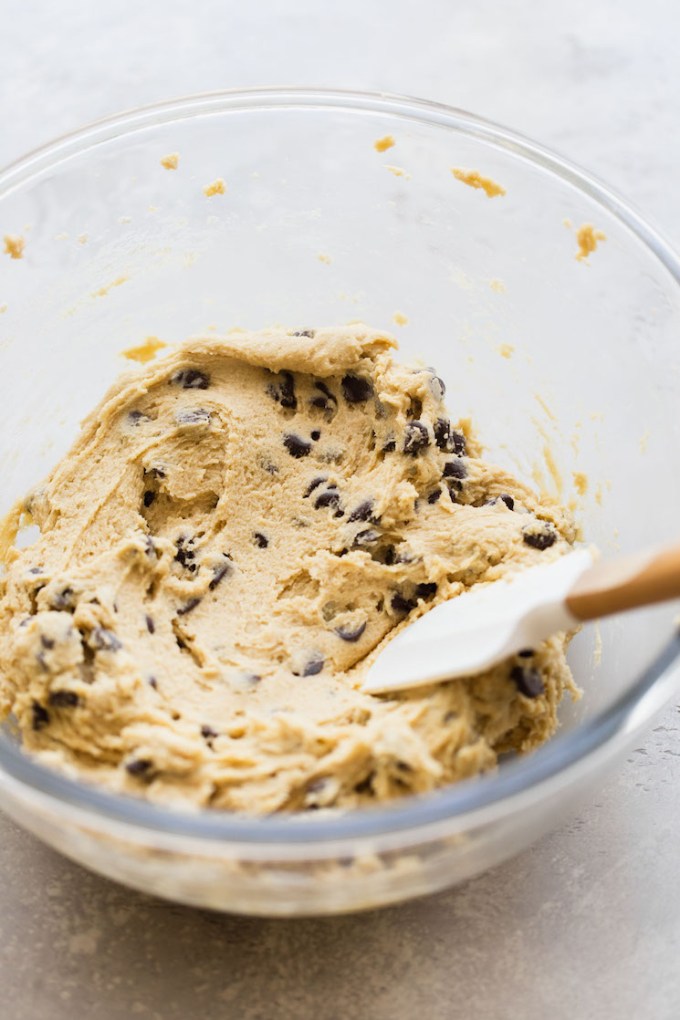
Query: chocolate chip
(188, 606)
(539, 536)
(434, 496)
(326, 391)
(150, 625)
(350, 633)
(185, 553)
(135, 417)
(63, 699)
(437, 387)
(35, 570)
(138, 766)
(315, 435)
(46, 642)
(149, 547)
(314, 484)
(416, 438)
(208, 732)
(154, 472)
(363, 512)
(287, 396)
(106, 640)
(191, 379)
(528, 681)
(284, 392)
(313, 664)
(304, 332)
(508, 500)
(260, 540)
(63, 599)
(366, 785)
(149, 497)
(355, 389)
(426, 590)
(401, 604)
(404, 555)
(320, 402)
(297, 446)
(193, 416)
(458, 442)
(448, 439)
(526, 653)
(415, 408)
(40, 716)
(329, 498)
(366, 537)
(153, 682)
(442, 430)
(454, 469)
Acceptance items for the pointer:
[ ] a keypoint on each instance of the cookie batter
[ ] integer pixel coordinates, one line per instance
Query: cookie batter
(234, 532)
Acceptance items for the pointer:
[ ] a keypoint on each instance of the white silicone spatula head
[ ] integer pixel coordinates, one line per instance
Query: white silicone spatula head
(474, 631)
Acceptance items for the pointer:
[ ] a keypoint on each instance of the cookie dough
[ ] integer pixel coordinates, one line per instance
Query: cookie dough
(236, 530)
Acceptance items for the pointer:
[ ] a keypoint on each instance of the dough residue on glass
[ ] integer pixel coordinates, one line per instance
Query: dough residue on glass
(384, 143)
(103, 291)
(474, 179)
(218, 187)
(398, 171)
(171, 161)
(14, 245)
(580, 482)
(236, 531)
(145, 351)
(587, 238)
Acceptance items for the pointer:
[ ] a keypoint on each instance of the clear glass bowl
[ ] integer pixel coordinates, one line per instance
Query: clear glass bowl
(315, 228)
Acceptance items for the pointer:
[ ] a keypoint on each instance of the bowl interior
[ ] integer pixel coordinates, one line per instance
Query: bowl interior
(568, 368)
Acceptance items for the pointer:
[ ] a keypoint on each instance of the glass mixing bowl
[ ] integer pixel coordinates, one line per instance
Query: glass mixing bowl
(566, 367)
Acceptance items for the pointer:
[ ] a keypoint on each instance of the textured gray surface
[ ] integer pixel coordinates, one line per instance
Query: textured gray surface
(587, 923)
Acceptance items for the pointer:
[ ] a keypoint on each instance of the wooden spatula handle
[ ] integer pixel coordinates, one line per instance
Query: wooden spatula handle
(640, 580)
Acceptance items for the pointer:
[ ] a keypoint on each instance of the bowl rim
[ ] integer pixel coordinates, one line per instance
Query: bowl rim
(533, 775)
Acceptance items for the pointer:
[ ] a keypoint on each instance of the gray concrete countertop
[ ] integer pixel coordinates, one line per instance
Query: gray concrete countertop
(584, 925)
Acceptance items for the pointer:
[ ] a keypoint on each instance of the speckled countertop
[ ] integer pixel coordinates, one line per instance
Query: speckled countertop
(584, 925)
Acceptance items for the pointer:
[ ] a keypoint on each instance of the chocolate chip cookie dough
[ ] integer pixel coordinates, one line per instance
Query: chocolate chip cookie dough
(237, 528)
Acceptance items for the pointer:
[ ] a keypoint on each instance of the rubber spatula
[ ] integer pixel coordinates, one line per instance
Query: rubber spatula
(473, 631)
